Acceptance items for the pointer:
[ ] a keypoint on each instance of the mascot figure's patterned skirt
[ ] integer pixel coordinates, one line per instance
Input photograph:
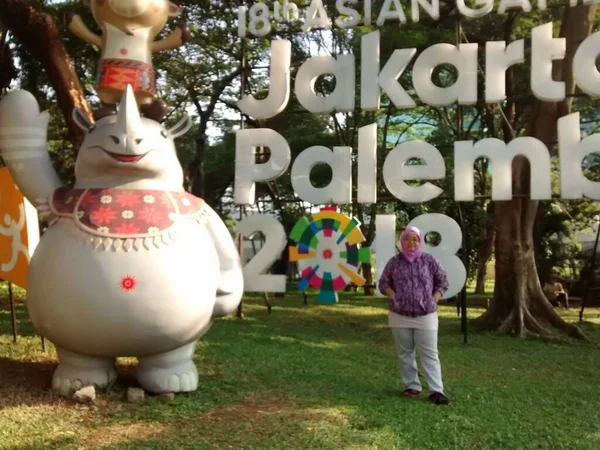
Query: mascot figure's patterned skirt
(118, 73)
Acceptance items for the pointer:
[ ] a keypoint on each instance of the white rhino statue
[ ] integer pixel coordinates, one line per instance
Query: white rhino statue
(131, 264)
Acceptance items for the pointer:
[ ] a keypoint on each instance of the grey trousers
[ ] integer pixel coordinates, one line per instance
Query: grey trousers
(425, 342)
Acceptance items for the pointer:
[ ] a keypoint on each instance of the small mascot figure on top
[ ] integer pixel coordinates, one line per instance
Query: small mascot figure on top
(131, 264)
(127, 42)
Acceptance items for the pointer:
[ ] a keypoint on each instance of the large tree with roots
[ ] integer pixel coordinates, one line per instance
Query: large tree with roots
(519, 305)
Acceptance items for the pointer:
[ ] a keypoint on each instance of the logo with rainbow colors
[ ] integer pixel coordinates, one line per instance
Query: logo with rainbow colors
(328, 252)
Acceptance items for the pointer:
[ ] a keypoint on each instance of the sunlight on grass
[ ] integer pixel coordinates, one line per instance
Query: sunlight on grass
(28, 424)
(18, 292)
(595, 437)
(319, 377)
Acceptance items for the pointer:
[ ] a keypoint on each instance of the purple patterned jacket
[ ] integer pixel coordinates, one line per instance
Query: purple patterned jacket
(414, 284)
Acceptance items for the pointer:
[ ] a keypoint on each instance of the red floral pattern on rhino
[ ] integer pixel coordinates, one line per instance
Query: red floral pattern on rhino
(124, 212)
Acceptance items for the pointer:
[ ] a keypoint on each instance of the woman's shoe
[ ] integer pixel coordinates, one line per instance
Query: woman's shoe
(439, 399)
(411, 393)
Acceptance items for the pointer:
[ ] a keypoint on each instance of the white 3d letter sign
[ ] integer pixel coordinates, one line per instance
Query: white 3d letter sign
(410, 161)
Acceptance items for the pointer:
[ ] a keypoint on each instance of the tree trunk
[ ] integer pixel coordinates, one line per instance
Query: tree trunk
(484, 255)
(368, 275)
(198, 176)
(484, 251)
(369, 287)
(38, 32)
(519, 305)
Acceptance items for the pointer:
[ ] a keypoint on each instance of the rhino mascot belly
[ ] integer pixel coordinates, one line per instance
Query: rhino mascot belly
(131, 264)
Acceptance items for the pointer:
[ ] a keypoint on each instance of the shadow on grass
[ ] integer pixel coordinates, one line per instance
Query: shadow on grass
(25, 383)
(28, 383)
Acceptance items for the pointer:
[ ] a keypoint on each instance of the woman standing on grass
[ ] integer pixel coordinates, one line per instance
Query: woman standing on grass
(414, 282)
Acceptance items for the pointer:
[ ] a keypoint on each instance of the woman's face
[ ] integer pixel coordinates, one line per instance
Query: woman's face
(411, 242)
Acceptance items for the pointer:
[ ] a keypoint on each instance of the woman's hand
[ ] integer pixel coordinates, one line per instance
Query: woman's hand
(390, 293)
(437, 296)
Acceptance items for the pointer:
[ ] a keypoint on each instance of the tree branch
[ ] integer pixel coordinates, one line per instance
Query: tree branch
(39, 34)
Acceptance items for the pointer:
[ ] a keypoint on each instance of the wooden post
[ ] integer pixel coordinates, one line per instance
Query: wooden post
(267, 302)
(591, 274)
(465, 257)
(241, 253)
(239, 313)
(13, 313)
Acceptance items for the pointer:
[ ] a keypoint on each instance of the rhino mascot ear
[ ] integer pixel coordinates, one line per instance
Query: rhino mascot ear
(181, 127)
(81, 120)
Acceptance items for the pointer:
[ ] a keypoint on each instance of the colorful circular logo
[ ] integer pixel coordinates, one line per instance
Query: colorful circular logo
(328, 252)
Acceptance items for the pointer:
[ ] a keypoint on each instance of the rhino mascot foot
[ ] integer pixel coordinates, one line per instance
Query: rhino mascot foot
(76, 371)
(172, 371)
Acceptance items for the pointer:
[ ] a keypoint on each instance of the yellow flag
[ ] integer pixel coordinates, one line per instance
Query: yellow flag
(19, 231)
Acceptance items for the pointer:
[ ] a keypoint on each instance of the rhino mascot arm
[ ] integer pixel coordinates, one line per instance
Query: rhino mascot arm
(231, 285)
(23, 134)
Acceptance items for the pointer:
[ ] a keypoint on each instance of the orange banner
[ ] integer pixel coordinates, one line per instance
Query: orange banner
(19, 231)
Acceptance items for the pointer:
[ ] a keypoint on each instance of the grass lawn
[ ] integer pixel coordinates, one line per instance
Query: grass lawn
(319, 377)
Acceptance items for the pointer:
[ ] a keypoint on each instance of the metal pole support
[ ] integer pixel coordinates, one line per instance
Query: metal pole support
(590, 277)
(13, 312)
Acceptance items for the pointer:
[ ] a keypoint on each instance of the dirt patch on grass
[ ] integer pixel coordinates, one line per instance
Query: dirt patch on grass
(260, 417)
(255, 418)
(123, 432)
(27, 383)
(252, 409)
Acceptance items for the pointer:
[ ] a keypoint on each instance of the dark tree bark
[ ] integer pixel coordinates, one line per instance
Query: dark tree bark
(484, 250)
(369, 287)
(198, 175)
(39, 34)
(519, 305)
(367, 270)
